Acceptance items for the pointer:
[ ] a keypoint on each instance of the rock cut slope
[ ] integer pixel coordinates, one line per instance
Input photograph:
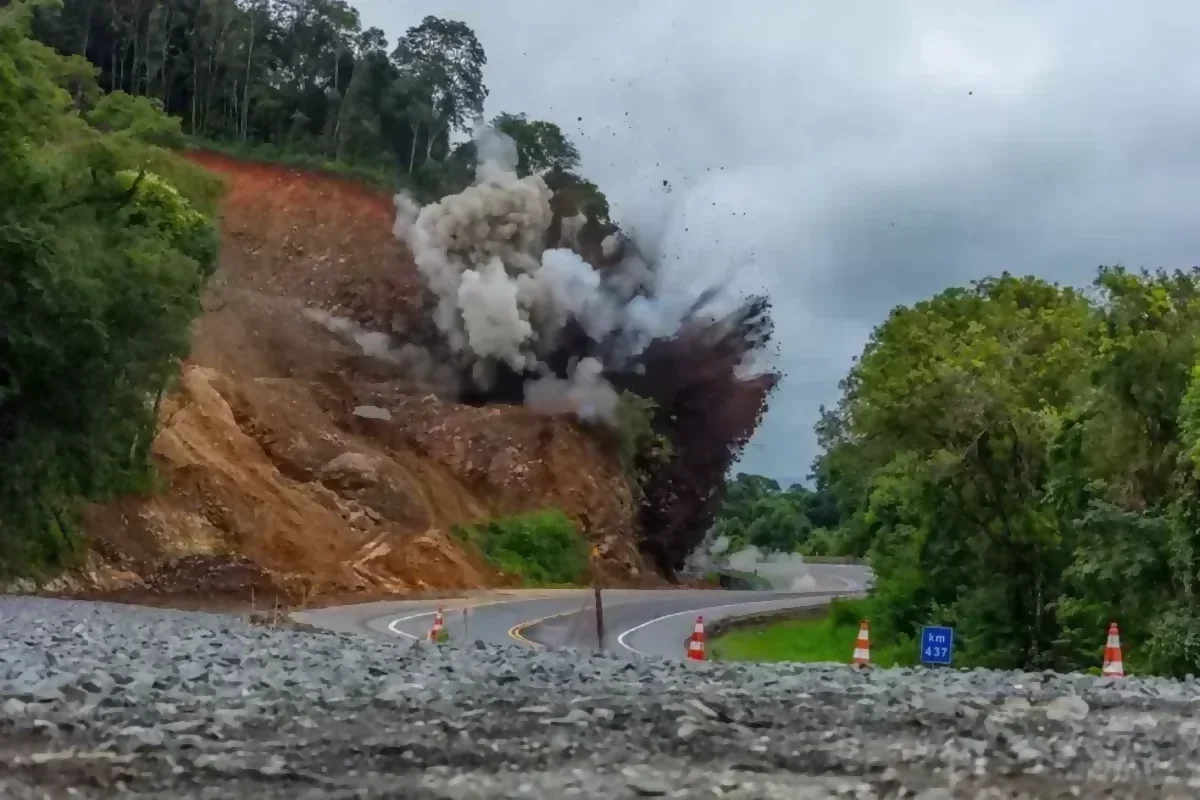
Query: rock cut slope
(307, 454)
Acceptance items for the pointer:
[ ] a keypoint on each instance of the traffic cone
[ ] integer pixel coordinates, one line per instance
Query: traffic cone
(695, 650)
(439, 626)
(862, 647)
(1113, 666)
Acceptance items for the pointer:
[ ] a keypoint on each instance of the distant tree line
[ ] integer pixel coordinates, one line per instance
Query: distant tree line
(305, 77)
(758, 512)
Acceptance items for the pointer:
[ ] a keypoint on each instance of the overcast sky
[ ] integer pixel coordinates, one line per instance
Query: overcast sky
(850, 157)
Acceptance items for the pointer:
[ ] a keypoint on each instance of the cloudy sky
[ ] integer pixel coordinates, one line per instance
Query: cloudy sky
(848, 158)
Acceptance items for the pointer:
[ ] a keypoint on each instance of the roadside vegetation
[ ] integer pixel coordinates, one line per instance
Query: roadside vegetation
(542, 548)
(1021, 461)
(105, 242)
(829, 637)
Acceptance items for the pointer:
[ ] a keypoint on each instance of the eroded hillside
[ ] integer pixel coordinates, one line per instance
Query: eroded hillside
(302, 453)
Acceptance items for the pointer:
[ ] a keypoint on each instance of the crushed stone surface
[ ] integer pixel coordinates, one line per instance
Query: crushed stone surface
(109, 701)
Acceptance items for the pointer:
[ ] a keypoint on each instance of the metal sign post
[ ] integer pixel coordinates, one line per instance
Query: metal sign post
(599, 621)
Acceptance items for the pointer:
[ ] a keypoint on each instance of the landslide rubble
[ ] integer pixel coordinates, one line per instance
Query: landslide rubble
(303, 456)
(109, 701)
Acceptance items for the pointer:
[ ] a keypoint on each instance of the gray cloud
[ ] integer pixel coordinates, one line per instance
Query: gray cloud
(852, 158)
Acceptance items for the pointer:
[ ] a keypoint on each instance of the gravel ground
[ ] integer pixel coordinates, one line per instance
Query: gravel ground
(108, 701)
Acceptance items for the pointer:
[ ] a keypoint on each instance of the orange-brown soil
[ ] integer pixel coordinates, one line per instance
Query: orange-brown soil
(272, 485)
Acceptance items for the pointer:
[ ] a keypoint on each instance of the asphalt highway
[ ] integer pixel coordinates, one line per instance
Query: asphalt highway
(636, 622)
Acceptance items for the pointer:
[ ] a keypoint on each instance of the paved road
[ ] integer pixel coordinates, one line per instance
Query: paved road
(644, 622)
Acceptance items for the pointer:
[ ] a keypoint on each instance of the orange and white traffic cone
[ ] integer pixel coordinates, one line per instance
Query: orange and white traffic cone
(695, 650)
(439, 625)
(862, 647)
(1113, 666)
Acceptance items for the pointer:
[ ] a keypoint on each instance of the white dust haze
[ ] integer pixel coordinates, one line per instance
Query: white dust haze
(415, 361)
(504, 298)
(786, 571)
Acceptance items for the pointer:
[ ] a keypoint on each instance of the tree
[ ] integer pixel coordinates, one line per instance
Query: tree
(541, 145)
(445, 58)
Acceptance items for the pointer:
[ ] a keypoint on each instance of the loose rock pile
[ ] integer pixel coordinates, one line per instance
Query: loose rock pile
(104, 701)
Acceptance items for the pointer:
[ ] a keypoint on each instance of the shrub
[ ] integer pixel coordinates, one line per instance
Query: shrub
(542, 547)
(638, 445)
(848, 611)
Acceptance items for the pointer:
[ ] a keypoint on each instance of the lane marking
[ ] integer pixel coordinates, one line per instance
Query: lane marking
(518, 631)
(701, 611)
(392, 626)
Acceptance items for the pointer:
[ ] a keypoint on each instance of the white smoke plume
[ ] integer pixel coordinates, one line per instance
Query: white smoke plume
(585, 392)
(504, 298)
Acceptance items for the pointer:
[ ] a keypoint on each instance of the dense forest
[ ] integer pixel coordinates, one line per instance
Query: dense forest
(303, 79)
(1022, 461)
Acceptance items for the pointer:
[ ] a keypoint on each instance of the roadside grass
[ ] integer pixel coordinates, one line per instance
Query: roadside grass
(827, 638)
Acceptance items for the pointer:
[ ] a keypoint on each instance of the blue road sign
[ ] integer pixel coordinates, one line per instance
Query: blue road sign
(937, 645)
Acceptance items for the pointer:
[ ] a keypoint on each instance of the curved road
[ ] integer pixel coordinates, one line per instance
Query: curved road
(653, 622)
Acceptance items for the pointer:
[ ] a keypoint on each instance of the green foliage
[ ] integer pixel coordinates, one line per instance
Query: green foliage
(1021, 462)
(103, 262)
(638, 445)
(300, 83)
(543, 548)
(541, 145)
(140, 117)
(757, 512)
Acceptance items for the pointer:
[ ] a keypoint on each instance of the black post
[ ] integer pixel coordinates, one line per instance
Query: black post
(599, 620)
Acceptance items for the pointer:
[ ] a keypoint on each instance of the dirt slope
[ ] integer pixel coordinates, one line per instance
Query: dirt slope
(271, 479)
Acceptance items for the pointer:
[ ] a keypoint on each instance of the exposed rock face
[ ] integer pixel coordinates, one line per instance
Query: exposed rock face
(294, 457)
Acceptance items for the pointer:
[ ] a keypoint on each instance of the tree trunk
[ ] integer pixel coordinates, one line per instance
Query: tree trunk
(195, 77)
(412, 153)
(429, 143)
(244, 124)
(137, 54)
(165, 42)
(87, 28)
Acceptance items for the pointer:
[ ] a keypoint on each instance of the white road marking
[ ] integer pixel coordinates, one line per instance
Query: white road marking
(392, 625)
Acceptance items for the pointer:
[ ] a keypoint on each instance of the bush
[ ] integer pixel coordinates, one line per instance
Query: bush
(848, 612)
(638, 445)
(542, 548)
